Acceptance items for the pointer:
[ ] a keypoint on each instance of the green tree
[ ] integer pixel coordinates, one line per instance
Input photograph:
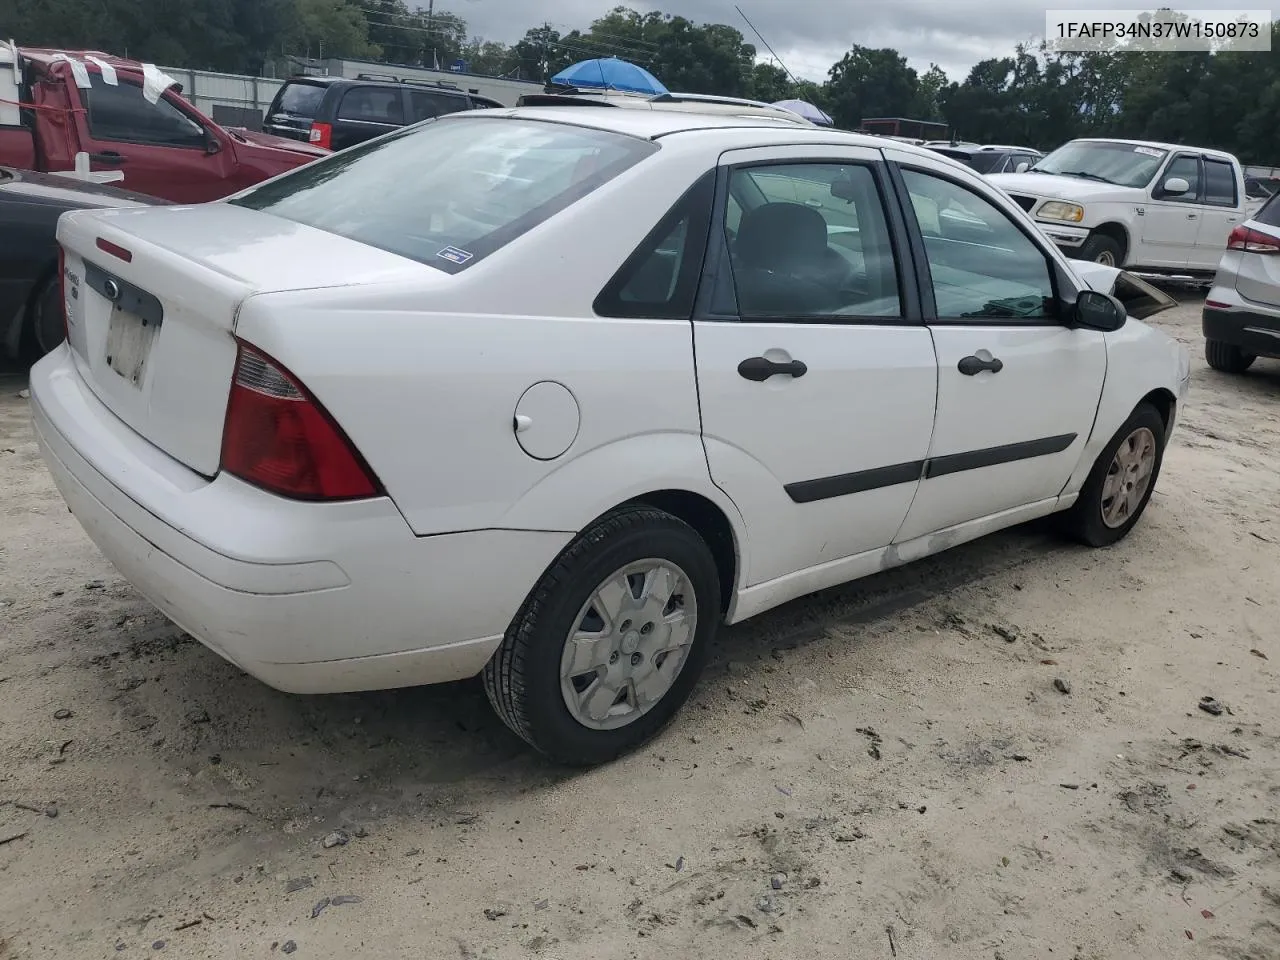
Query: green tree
(871, 83)
(769, 83)
(336, 27)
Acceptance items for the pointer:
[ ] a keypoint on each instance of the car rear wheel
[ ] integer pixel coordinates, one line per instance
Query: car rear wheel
(44, 326)
(611, 641)
(1227, 357)
(1121, 482)
(1100, 248)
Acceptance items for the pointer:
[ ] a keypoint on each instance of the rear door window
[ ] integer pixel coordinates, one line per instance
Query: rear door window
(463, 187)
(373, 105)
(1219, 183)
(424, 104)
(299, 99)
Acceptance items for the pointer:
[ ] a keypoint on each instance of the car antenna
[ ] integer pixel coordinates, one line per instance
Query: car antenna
(766, 45)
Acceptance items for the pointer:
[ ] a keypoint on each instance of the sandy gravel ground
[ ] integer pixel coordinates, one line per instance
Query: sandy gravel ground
(885, 770)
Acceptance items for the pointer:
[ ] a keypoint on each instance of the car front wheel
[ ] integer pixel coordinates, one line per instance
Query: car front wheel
(1100, 248)
(1121, 482)
(611, 641)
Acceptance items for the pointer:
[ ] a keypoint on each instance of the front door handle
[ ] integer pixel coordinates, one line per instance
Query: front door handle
(1192, 216)
(760, 369)
(972, 366)
(108, 156)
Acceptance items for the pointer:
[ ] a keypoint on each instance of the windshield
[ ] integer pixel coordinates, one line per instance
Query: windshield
(1124, 164)
(450, 191)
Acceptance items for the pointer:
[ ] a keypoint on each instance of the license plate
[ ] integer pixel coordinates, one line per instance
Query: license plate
(129, 340)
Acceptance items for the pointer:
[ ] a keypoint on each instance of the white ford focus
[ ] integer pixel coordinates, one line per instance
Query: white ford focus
(548, 394)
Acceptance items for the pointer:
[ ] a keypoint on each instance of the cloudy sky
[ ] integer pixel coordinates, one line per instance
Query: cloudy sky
(809, 35)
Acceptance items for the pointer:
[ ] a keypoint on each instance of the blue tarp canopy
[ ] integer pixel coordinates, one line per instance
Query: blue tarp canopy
(609, 74)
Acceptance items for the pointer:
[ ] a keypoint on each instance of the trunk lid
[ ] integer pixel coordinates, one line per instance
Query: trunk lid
(152, 298)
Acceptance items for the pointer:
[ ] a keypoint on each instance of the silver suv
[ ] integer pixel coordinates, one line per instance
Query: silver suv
(1241, 319)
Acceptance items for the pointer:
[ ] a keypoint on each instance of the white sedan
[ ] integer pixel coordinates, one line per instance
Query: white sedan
(549, 394)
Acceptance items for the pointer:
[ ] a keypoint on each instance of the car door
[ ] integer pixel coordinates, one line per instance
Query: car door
(1171, 222)
(1219, 215)
(1017, 389)
(366, 112)
(816, 379)
(160, 146)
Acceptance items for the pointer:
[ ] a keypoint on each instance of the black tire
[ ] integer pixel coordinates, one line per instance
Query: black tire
(1100, 248)
(1084, 521)
(1227, 357)
(522, 679)
(43, 327)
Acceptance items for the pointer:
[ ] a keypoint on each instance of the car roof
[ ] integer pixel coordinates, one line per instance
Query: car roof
(653, 124)
(1158, 145)
(369, 81)
(675, 102)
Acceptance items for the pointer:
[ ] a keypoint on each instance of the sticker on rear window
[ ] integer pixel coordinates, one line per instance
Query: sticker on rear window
(454, 255)
(1149, 151)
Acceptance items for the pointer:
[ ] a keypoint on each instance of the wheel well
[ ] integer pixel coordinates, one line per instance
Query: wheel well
(710, 523)
(1164, 401)
(1117, 233)
(15, 339)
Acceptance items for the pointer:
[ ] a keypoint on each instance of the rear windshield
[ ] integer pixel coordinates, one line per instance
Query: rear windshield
(449, 192)
(1270, 212)
(300, 99)
(985, 162)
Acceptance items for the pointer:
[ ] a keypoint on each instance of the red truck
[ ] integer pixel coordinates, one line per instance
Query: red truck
(108, 120)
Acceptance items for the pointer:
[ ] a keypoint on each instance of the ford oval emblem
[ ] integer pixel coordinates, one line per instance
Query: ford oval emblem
(112, 290)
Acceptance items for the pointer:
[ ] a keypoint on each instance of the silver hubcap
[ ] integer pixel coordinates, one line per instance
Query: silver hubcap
(1106, 257)
(1128, 478)
(628, 644)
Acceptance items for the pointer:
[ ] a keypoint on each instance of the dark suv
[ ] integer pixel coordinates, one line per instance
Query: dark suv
(336, 113)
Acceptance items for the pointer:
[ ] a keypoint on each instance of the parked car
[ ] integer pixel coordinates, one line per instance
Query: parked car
(336, 113)
(676, 102)
(109, 120)
(478, 397)
(1241, 316)
(992, 159)
(1260, 188)
(30, 297)
(1155, 208)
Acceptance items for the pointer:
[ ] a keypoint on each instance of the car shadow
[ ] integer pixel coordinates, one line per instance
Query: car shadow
(192, 710)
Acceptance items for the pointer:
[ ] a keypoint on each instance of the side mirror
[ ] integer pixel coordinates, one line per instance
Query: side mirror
(1099, 311)
(1022, 167)
(843, 188)
(1174, 187)
(212, 144)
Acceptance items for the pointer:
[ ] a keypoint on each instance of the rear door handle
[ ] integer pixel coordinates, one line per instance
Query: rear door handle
(972, 366)
(108, 156)
(760, 369)
(1192, 216)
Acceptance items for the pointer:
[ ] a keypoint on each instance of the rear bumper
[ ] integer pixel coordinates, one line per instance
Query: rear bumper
(1246, 327)
(308, 598)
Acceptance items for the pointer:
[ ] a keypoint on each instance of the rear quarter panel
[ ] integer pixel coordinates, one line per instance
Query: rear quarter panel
(426, 377)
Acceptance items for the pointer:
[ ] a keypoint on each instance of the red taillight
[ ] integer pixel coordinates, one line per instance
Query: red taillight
(279, 438)
(322, 135)
(106, 246)
(62, 292)
(1252, 241)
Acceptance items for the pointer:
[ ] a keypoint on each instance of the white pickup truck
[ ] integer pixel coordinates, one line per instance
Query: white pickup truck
(1152, 208)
